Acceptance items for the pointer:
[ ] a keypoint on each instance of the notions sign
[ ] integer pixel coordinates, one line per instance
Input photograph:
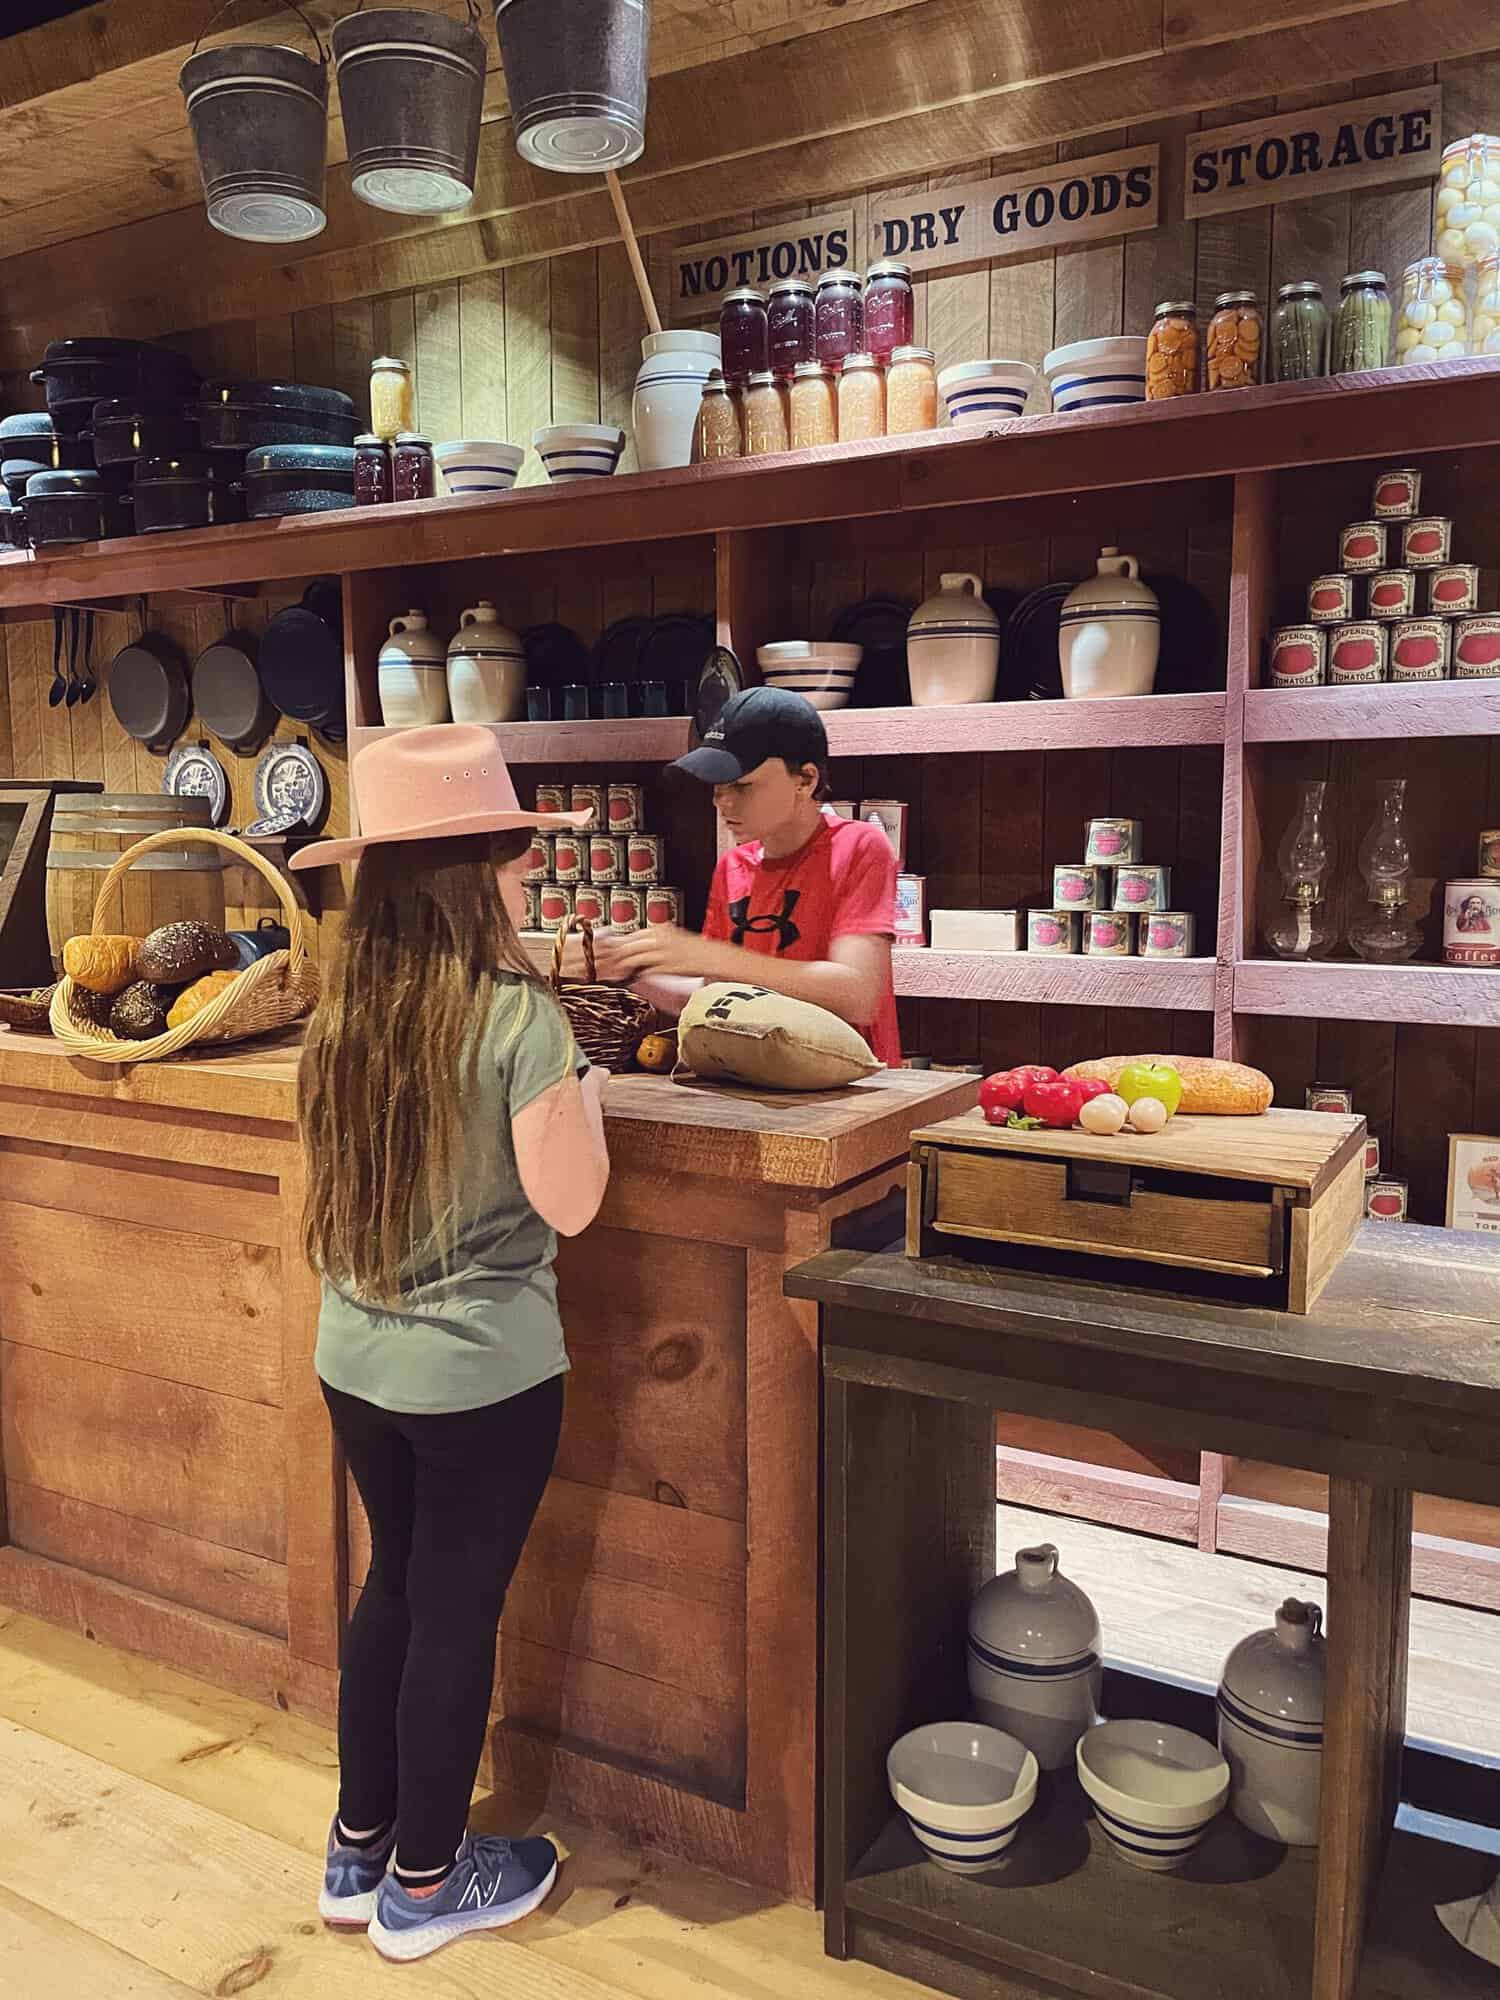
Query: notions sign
(1302, 153)
(1020, 214)
(696, 277)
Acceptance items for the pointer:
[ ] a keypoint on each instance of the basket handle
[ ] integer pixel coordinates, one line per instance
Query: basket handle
(586, 931)
(292, 4)
(109, 889)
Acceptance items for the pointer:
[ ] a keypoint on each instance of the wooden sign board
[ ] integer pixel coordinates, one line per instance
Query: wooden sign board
(1019, 215)
(1301, 153)
(692, 280)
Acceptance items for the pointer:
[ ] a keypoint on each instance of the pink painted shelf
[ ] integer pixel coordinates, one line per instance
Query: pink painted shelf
(1447, 995)
(1185, 984)
(1415, 708)
(1027, 725)
(633, 740)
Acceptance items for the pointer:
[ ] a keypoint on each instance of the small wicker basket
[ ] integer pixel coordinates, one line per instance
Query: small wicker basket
(607, 1021)
(270, 994)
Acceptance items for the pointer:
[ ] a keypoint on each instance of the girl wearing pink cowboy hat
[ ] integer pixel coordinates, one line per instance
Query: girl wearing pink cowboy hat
(450, 1129)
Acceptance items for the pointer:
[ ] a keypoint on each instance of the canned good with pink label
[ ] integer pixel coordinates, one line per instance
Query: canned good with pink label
(1167, 934)
(1142, 887)
(663, 905)
(570, 857)
(1454, 590)
(627, 908)
(1471, 921)
(1080, 886)
(1362, 545)
(1476, 648)
(1385, 1199)
(1108, 842)
(1330, 598)
(591, 903)
(1110, 934)
(1055, 933)
(539, 860)
(1393, 593)
(606, 858)
(589, 798)
(556, 905)
(1372, 1156)
(1299, 656)
(1427, 542)
(1420, 649)
(626, 807)
(643, 858)
(1489, 852)
(1357, 652)
(552, 798)
(1398, 493)
(1329, 1097)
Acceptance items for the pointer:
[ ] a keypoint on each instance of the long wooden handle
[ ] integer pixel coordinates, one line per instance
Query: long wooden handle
(633, 250)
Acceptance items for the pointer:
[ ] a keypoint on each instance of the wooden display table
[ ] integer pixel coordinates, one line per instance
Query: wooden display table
(172, 1487)
(1391, 1384)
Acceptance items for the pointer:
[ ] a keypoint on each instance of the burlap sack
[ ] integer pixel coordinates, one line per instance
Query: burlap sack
(749, 1035)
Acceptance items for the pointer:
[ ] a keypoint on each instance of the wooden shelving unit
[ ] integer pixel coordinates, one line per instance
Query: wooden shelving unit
(1449, 996)
(631, 740)
(1014, 726)
(1166, 983)
(1415, 708)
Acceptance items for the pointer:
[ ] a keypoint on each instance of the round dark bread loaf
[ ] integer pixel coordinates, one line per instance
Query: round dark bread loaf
(177, 953)
(140, 1012)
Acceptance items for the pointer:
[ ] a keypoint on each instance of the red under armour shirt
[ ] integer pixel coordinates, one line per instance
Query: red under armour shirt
(841, 883)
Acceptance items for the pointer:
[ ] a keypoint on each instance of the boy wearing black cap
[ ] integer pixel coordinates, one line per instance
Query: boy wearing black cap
(805, 904)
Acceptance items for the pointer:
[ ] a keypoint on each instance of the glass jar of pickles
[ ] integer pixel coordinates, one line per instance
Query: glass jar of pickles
(1432, 323)
(890, 308)
(392, 398)
(840, 313)
(792, 326)
(861, 399)
(1362, 330)
(814, 411)
(1484, 327)
(1299, 333)
(1234, 341)
(911, 396)
(1467, 220)
(718, 431)
(744, 334)
(764, 415)
(1172, 351)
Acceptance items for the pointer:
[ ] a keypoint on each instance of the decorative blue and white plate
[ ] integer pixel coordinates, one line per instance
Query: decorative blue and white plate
(194, 772)
(289, 781)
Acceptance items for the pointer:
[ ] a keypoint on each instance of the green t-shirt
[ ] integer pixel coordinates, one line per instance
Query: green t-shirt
(486, 1327)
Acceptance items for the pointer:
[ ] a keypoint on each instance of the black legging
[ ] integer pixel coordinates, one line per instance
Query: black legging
(451, 1500)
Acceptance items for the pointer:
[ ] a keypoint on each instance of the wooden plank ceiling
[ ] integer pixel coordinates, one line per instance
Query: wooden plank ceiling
(754, 102)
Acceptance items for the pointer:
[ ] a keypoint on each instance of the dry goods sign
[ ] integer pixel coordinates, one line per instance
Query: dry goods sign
(1302, 153)
(1020, 214)
(696, 277)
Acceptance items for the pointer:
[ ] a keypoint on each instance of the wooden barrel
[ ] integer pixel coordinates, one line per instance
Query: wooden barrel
(91, 832)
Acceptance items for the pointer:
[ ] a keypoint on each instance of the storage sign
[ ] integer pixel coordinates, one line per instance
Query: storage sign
(1020, 214)
(1302, 153)
(696, 278)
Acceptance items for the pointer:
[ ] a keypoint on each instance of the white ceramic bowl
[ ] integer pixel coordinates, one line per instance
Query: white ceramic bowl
(1093, 374)
(964, 1790)
(977, 392)
(1156, 1790)
(579, 451)
(477, 465)
(820, 671)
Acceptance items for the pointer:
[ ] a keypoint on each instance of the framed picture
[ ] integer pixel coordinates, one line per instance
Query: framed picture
(1474, 1182)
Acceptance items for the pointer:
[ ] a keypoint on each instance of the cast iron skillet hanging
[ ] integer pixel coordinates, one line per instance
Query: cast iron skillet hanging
(148, 691)
(302, 659)
(227, 695)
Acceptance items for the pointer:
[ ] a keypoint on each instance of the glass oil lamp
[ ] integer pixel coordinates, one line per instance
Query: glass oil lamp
(1301, 928)
(1387, 936)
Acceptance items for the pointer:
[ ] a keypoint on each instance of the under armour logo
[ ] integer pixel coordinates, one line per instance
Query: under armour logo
(786, 931)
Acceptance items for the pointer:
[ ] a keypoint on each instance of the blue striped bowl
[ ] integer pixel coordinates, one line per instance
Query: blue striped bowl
(1155, 1790)
(1095, 374)
(477, 465)
(982, 392)
(579, 451)
(964, 1790)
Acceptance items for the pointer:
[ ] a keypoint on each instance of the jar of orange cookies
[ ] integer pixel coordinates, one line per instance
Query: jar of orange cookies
(1172, 351)
(1236, 341)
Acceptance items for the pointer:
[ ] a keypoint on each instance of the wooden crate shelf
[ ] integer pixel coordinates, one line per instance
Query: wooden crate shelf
(1164, 719)
(1181, 983)
(1451, 996)
(1416, 708)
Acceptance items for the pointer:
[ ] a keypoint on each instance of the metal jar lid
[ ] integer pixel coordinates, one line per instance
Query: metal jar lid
(762, 379)
(859, 361)
(368, 440)
(1362, 278)
(911, 354)
(744, 295)
(840, 278)
(1175, 306)
(1302, 288)
(1235, 299)
(414, 438)
(888, 267)
(808, 371)
(797, 285)
(390, 361)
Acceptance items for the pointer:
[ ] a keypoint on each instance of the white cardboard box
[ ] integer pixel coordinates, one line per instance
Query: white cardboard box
(978, 930)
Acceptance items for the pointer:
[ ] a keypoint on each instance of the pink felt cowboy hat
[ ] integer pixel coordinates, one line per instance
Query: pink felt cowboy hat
(431, 784)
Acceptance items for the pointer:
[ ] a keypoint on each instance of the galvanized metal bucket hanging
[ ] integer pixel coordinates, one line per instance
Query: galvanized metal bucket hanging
(411, 88)
(576, 73)
(259, 117)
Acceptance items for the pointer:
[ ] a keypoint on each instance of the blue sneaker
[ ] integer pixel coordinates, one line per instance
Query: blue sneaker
(351, 1875)
(494, 1883)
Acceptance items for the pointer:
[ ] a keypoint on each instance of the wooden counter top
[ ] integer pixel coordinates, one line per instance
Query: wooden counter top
(811, 1139)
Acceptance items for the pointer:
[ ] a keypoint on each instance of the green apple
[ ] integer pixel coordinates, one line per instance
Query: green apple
(1150, 1080)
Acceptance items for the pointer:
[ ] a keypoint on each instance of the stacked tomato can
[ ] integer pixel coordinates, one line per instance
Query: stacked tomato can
(1397, 608)
(611, 874)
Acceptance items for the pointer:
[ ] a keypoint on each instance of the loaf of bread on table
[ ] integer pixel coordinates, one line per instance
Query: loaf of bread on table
(1209, 1087)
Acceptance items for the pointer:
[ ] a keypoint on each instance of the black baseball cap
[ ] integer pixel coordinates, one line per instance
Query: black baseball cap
(761, 722)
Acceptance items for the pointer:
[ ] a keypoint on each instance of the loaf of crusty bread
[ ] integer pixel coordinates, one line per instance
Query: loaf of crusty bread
(1211, 1087)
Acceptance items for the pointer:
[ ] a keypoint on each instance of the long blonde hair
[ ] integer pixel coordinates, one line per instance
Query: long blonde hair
(393, 1051)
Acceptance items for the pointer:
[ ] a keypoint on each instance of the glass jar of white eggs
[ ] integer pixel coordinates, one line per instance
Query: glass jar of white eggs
(1432, 323)
(1484, 327)
(1468, 200)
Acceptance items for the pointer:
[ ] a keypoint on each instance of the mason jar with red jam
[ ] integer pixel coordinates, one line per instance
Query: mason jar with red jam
(792, 325)
(840, 314)
(744, 335)
(413, 469)
(890, 309)
(372, 471)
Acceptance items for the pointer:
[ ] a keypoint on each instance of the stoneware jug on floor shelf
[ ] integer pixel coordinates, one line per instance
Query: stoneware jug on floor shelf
(1110, 633)
(486, 669)
(1271, 1725)
(669, 394)
(953, 644)
(1033, 1657)
(412, 675)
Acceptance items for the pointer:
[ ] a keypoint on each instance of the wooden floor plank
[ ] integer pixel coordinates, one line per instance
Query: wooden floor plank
(44, 1958)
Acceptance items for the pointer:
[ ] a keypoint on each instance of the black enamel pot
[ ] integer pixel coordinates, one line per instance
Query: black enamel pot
(243, 416)
(127, 430)
(30, 435)
(80, 373)
(298, 479)
(188, 492)
(12, 523)
(73, 507)
(301, 660)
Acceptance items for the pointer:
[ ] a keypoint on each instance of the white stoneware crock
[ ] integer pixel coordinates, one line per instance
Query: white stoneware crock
(486, 669)
(668, 394)
(1110, 632)
(1033, 1657)
(1271, 1725)
(412, 674)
